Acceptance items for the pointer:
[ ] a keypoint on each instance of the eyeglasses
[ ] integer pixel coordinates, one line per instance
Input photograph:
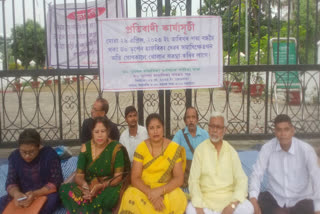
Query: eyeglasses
(94, 109)
(216, 127)
(30, 153)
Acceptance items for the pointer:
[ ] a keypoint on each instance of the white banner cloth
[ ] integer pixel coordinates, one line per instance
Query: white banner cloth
(161, 53)
(76, 37)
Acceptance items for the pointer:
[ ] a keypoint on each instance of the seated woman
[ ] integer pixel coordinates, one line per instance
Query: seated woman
(157, 174)
(34, 170)
(100, 169)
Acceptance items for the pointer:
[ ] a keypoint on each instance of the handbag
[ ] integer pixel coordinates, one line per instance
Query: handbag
(34, 208)
(189, 162)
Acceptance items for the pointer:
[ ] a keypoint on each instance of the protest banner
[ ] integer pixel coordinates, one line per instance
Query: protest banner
(72, 32)
(160, 53)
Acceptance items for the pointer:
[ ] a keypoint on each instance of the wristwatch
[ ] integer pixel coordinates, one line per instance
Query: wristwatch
(233, 206)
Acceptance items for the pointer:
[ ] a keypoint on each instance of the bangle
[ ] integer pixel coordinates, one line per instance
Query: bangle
(84, 186)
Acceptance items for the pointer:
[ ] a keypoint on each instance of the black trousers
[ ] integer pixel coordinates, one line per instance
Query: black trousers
(269, 205)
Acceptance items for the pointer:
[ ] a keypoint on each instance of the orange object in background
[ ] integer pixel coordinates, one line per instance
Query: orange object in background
(35, 207)
(294, 98)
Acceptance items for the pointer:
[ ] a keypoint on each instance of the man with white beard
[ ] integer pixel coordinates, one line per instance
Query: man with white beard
(217, 182)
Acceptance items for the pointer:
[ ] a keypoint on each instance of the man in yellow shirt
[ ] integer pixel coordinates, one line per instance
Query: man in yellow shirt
(217, 182)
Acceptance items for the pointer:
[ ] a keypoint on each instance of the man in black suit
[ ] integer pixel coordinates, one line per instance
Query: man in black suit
(99, 109)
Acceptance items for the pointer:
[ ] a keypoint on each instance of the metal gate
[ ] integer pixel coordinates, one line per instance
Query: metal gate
(57, 105)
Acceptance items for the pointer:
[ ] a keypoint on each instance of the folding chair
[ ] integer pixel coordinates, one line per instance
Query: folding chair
(285, 81)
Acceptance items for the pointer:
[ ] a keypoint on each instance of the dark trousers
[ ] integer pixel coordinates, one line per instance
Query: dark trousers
(269, 205)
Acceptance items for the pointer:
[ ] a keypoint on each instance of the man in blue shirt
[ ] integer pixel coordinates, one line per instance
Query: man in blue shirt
(190, 137)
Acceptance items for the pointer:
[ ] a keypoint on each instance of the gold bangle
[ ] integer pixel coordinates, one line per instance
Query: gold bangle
(85, 186)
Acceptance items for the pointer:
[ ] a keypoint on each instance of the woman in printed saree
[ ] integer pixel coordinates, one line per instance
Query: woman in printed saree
(33, 171)
(100, 168)
(157, 174)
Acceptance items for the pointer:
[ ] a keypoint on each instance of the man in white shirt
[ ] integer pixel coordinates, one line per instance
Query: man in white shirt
(135, 133)
(292, 174)
(217, 182)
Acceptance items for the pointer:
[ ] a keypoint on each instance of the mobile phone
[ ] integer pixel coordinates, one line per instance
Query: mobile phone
(22, 198)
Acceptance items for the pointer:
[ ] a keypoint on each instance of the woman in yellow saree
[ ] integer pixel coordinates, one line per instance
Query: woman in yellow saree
(157, 174)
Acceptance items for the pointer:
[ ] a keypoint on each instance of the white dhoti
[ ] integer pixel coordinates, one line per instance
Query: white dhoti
(243, 208)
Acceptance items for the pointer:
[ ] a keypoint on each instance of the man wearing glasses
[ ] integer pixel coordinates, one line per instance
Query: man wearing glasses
(217, 182)
(99, 109)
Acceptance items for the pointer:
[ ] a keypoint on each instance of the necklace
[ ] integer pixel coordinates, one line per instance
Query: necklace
(94, 148)
(161, 148)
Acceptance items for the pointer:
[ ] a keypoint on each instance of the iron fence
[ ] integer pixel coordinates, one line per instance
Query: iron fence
(56, 100)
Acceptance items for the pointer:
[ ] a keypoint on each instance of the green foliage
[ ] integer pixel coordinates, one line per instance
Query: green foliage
(26, 84)
(2, 43)
(302, 25)
(263, 56)
(173, 11)
(14, 66)
(257, 78)
(236, 76)
(29, 43)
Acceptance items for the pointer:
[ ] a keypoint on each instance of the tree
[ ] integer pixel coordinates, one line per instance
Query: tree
(173, 11)
(308, 31)
(2, 42)
(233, 18)
(29, 43)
